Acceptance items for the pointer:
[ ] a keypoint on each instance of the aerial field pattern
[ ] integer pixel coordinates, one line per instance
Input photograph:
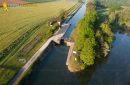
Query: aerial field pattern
(22, 24)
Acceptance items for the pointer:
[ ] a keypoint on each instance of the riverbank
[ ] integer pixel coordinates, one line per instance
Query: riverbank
(71, 14)
(107, 71)
(113, 21)
(26, 67)
(61, 32)
(61, 59)
(93, 43)
(22, 35)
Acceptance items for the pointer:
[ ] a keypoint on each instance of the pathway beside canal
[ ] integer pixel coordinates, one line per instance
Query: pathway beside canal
(56, 38)
(60, 33)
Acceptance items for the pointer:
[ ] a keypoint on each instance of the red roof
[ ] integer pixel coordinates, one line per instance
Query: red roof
(12, 2)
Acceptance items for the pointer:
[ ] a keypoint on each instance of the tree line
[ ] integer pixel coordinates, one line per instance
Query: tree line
(92, 40)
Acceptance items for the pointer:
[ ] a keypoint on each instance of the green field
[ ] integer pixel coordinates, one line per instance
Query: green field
(21, 20)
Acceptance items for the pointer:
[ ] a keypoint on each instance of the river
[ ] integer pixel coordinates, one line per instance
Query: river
(113, 70)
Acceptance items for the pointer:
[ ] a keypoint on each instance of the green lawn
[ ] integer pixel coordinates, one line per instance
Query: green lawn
(20, 19)
(16, 22)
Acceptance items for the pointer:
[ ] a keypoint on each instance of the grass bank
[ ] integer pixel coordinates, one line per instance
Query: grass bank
(19, 21)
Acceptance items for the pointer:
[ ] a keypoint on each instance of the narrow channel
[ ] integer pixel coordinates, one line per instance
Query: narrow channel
(113, 70)
(53, 70)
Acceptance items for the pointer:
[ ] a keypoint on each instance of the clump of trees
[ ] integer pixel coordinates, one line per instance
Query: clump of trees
(85, 40)
(104, 37)
(63, 15)
(91, 39)
(119, 12)
(114, 4)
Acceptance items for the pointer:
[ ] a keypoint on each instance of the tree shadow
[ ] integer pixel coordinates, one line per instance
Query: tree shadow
(85, 75)
(116, 26)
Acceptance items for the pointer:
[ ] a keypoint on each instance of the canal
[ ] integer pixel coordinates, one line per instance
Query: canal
(113, 70)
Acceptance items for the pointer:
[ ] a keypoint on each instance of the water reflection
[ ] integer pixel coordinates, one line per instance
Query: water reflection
(113, 70)
(86, 75)
(79, 15)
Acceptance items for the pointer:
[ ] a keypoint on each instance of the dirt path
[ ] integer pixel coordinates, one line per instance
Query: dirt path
(26, 67)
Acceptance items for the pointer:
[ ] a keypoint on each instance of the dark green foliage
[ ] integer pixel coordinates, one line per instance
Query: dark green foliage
(118, 11)
(87, 54)
(92, 37)
(63, 15)
(117, 21)
(54, 27)
(85, 41)
(106, 38)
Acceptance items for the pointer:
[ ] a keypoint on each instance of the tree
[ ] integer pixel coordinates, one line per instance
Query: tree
(87, 54)
(63, 14)
(105, 49)
(85, 41)
(107, 33)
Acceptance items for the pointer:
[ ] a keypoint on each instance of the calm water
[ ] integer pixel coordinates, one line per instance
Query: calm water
(113, 70)
(79, 15)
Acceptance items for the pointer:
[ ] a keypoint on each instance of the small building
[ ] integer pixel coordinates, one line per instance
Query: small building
(54, 21)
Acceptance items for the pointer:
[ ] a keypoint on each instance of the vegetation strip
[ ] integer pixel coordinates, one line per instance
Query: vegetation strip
(92, 38)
